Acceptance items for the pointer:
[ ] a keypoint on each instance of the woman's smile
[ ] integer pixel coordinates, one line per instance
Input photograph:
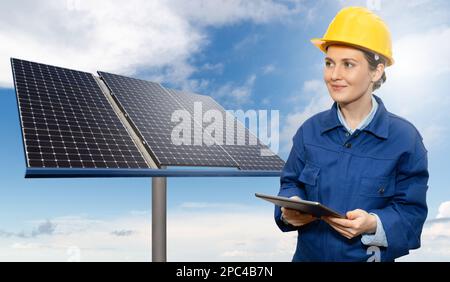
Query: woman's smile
(337, 87)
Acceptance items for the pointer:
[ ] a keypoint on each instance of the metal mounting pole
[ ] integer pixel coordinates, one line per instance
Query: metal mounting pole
(159, 219)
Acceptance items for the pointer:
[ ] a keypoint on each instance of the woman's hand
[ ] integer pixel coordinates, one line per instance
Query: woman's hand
(357, 222)
(296, 218)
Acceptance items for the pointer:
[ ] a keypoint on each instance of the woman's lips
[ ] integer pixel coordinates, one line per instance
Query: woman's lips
(338, 87)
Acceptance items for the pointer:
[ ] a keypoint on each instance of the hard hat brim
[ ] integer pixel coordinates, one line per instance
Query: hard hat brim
(322, 44)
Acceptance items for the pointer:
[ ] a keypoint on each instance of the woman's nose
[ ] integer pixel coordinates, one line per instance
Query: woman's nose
(336, 73)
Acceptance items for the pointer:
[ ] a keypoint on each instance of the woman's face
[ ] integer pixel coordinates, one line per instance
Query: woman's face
(346, 74)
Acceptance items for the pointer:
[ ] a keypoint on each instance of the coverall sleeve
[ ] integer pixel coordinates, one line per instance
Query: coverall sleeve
(403, 219)
(289, 183)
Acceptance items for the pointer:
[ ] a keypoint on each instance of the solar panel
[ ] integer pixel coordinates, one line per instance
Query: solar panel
(149, 107)
(67, 122)
(247, 155)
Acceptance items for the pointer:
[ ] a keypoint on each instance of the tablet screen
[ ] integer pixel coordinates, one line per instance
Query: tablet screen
(314, 208)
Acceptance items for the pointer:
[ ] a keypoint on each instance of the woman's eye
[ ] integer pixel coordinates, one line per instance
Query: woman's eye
(348, 65)
(327, 64)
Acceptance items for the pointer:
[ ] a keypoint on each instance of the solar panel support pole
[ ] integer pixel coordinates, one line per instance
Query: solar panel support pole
(159, 219)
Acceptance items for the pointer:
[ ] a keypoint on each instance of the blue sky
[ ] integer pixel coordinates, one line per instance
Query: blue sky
(247, 55)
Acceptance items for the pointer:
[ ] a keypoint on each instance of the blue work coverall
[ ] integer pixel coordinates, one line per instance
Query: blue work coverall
(381, 169)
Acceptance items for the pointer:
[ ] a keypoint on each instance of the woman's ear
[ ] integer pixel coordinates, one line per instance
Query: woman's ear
(378, 72)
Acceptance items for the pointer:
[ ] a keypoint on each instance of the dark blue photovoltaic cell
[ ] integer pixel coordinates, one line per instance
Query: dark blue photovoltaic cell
(67, 122)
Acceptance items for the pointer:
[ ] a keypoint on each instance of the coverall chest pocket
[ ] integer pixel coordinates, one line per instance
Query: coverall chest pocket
(310, 177)
(376, 192)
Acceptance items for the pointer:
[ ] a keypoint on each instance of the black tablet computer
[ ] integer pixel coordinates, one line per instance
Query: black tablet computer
(314, 208)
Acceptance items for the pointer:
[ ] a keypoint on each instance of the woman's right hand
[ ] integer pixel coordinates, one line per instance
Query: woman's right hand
(296, 218)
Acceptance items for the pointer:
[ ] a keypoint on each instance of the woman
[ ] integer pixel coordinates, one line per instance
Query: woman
(357, 157)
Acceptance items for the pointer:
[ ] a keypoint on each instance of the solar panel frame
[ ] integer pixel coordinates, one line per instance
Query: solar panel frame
(65, 120)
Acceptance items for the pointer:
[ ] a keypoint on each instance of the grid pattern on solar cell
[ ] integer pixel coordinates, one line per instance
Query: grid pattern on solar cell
(150, 107)
(247, 154)
(67, 121)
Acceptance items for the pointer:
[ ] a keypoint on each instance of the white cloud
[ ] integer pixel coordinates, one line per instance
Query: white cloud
(417, 87)
(266, 102)
(444, 210)
(435, 238)
(123, 233)
(267, 69)
(434, 247)
(208, 205)
(25, 246)
(251, 235)
(247, 42)
(314, 87)
(222, 234)
(216, 68)
(101, 35)
(244, 235)
(236, 94)
(159, 37)
(219, 233)
(223, 12)
(419, 55)
(118, 239)
(43, 228)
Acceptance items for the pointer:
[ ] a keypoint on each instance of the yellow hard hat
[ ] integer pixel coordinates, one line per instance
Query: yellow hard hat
(359, 27)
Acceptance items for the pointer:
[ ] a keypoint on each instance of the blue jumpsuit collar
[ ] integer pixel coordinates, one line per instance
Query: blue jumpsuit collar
(379, 126)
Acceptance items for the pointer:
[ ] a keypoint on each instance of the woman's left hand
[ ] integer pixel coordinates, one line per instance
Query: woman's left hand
(357, 222)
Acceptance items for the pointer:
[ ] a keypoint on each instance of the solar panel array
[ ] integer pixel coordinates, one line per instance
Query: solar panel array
(150, 107)
(67, 122)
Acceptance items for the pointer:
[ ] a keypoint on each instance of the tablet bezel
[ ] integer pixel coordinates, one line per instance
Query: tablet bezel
(314, 208)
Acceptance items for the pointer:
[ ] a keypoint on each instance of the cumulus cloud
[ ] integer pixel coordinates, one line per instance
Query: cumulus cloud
(44, 228)
(83, 238)
(97, 35)
(247, 42)
(236, 95)
(123, 233)
(204, 12)
(216, 68)
(213, 232)
(435, 238)
(216, 234)
(158, 37)
(444, 210)
(208, 205)
(267, 69)
(416, 87)
(243, 235)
